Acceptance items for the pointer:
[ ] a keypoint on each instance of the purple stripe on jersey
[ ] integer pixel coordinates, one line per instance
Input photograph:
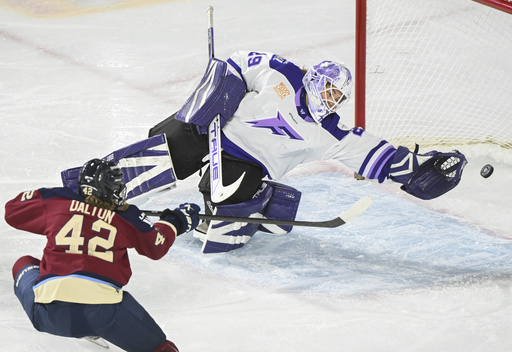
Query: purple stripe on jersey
(330, 124)
(377, 167)
(302, 107)
(238, 69)
(292, 72)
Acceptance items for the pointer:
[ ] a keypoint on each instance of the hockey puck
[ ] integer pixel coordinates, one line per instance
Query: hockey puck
(486, 171)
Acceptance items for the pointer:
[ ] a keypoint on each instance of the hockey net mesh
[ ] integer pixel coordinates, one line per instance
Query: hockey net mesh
(438, 72)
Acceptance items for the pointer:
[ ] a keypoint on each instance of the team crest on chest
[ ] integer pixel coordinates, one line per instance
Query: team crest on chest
(278, 125)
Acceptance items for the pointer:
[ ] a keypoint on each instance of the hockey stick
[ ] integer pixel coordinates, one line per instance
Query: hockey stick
(209, 12)
(357, 209)
(218, 191)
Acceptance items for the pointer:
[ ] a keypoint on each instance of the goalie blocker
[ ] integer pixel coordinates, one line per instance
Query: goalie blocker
(218, 93)
(427, 176)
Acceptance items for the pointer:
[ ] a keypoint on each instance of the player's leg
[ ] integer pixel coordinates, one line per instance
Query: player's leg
(167, 346)
(271, 200)
(114, 322)
(132, 328)
(232, 169)
(25, 272)
(57, 318)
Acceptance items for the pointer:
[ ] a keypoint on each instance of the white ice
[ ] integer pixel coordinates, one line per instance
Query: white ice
(407, 275)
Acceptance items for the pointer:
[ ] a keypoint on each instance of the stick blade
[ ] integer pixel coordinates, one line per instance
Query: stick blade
(357, 209)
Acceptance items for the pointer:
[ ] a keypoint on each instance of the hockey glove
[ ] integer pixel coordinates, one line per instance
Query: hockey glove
(428, 175)
(185, 217)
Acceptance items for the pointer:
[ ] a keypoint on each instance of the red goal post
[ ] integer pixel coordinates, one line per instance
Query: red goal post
(434, 72)
(503, 5)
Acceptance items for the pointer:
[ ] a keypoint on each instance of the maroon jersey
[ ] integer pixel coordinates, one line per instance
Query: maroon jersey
(86, 241)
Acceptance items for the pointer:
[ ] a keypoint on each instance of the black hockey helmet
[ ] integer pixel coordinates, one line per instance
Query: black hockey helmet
(102, 179)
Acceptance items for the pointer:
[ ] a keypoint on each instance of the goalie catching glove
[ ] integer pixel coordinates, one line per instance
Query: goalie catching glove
(428, 175)
(185, 217)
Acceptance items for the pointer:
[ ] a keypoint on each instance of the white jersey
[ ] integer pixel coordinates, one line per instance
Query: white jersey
(272, 125)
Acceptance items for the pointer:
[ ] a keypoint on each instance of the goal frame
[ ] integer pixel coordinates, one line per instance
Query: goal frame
(361, 49)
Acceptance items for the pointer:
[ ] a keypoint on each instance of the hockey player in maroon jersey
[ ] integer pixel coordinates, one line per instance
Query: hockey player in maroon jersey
(75, 290)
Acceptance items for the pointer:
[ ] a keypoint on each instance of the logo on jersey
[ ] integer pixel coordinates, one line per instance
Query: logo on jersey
(160, 239)
(282, 91)
(278, 126)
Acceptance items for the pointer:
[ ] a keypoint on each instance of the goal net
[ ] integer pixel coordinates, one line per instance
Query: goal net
(435, 72)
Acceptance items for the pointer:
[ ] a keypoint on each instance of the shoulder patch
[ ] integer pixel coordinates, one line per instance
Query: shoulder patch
(282, 91)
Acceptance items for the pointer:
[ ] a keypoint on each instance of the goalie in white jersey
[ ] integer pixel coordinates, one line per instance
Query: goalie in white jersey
(275, 116)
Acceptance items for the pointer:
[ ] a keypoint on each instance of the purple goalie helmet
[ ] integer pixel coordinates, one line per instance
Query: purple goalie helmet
(328, 85)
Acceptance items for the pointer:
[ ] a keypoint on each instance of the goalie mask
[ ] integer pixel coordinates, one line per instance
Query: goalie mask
(104, 180)
(328, 86)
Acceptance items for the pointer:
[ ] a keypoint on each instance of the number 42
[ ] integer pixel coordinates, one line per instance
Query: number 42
(71, 235)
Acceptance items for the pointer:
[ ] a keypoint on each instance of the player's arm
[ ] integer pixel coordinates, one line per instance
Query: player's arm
(362, 152)
(26, 212)
(183, 219)
(154, 240)
(425, 176)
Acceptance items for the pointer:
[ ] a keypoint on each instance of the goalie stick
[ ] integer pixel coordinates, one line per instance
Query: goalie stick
(357, 209)
(218, 192)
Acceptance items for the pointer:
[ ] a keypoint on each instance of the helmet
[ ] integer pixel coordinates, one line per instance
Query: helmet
(328, 85)
(102, 179)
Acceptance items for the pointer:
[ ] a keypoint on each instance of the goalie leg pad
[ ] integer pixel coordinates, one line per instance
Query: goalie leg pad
(219, 92)
(427, 176)
(273, 200)
(146, 165)
(226, 236)
(283, 205)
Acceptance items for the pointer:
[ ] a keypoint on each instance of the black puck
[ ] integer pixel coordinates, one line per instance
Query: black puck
(486, 171)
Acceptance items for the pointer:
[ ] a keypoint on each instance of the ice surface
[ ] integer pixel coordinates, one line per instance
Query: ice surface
(80, 79)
